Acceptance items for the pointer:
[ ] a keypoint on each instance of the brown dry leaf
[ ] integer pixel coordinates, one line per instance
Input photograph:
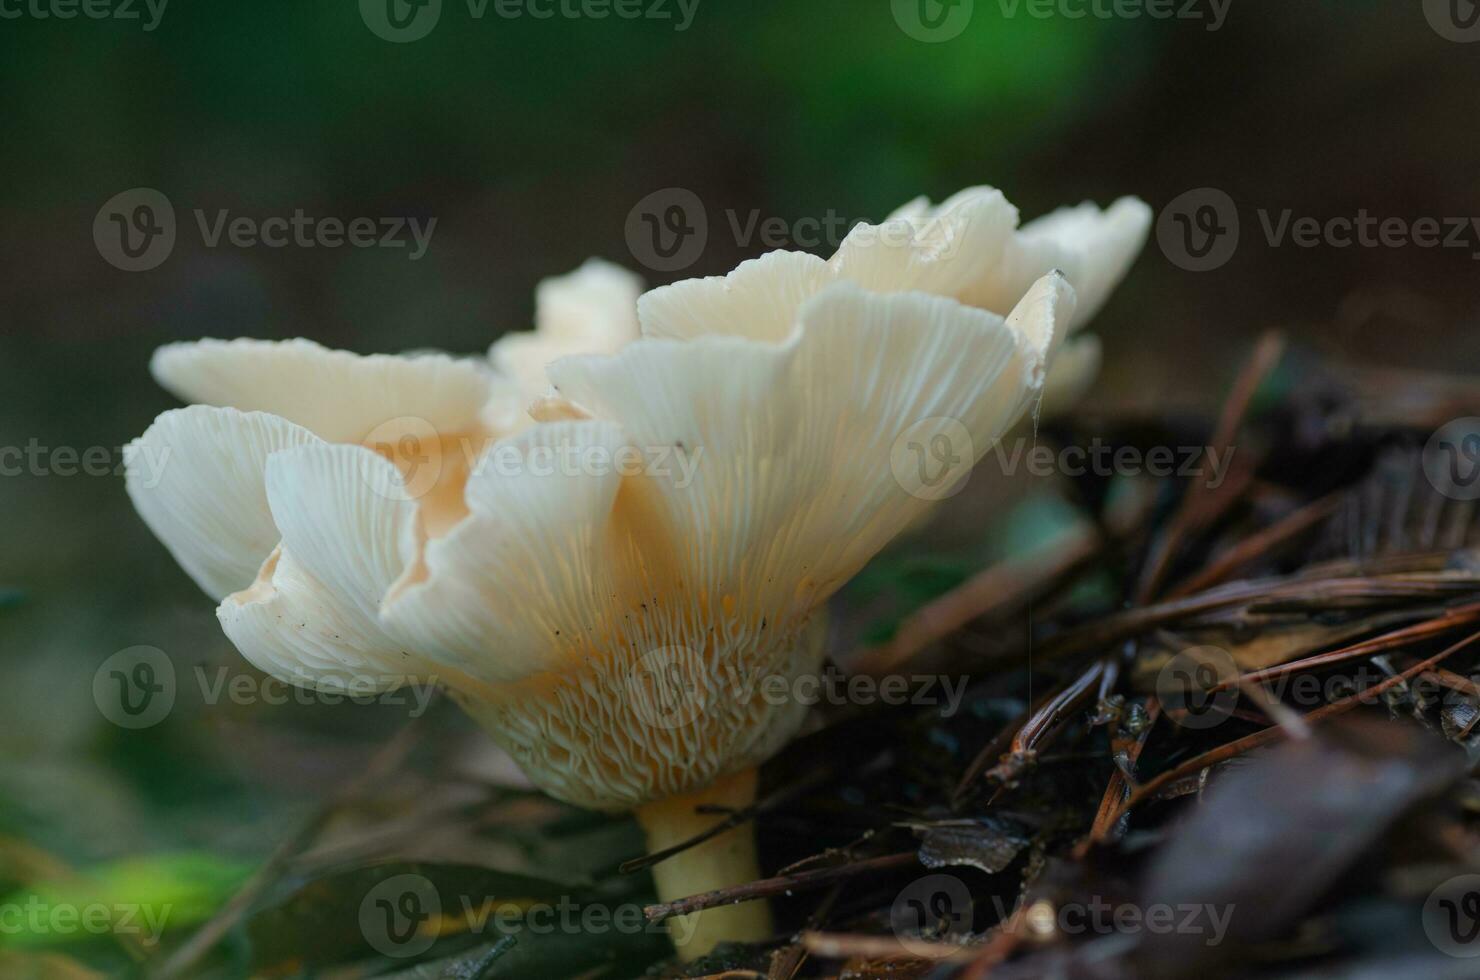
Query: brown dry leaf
(1275, 832)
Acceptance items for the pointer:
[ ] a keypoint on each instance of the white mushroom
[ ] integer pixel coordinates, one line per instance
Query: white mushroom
(608, 593)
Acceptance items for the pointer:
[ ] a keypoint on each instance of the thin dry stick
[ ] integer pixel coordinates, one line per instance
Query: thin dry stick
(1008, 938)
(1275, 733)
(1258, 545)
(993, 751)
(1293, 592)
(1203, 502)
(787, 961)
(766, 887)
(386, 760)
(995, 587)
(1454, 682)
(1452, 620)
(1290, 720)
(1027, 736)
(1002, 589)
(776, 799)
(1120, 783)
(844, 946)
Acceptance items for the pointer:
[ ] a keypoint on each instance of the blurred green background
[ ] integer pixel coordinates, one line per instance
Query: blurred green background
(530, 141)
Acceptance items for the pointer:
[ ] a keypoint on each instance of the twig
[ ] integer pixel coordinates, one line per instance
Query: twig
(1454, 682)
(385, 761)
(766, 887)
(1008, 938)
(1290, 720)
(843, 946)
(1120, 783)
(1203, 503)
(1295, 593)
(1451, 620)
(1275, 733)
(999, 586)
(1259, 544)
(783, 795)
(1027, 737)
(788, 960)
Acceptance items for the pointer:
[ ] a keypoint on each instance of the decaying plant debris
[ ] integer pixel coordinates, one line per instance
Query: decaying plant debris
(1293, 814)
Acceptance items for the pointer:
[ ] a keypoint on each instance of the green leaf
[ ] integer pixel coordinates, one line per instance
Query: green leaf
(138, 898)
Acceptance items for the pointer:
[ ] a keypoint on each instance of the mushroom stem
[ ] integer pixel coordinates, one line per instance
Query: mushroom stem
(727, 859)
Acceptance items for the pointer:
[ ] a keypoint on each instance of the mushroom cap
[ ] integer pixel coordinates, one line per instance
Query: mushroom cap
(624, 597)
